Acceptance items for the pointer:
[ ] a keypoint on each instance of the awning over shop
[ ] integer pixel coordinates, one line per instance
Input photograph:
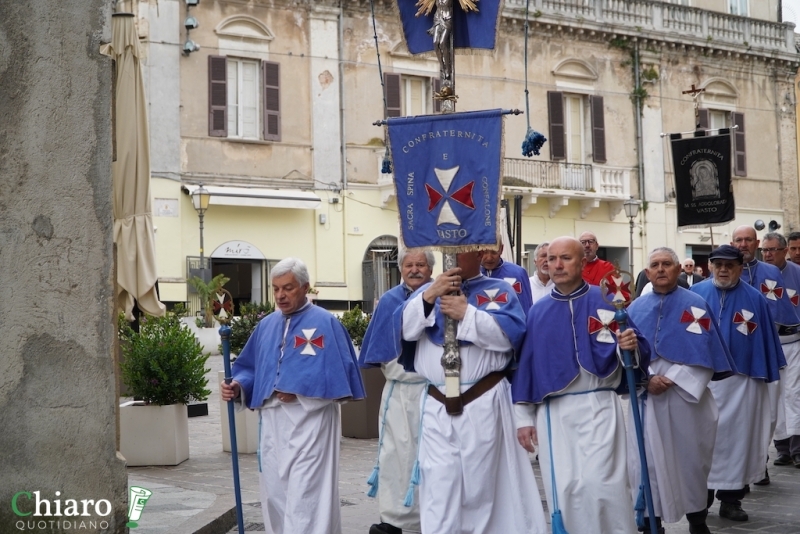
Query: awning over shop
(259, 198)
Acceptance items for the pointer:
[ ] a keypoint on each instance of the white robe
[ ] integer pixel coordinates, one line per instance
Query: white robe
(474, 477)
(398, 450)
(589, 454)
(538, 289)
(788, 393)
(745, 425)
(299, 466)
(680, 426)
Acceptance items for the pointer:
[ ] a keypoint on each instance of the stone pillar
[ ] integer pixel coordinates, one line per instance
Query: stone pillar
(57, 321)
(786, 115)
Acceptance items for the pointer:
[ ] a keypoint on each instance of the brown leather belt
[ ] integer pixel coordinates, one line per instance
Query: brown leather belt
(478, 388)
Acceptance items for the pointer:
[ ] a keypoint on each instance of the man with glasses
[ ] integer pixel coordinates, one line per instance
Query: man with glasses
(595, 269)
(794, 247)
(768, 280)
(745, 414)
(787, 431)
(688, 275)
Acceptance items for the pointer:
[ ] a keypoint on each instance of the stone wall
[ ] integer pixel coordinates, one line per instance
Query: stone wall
(57, 393)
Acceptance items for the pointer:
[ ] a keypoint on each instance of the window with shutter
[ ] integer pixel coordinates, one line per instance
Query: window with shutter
(739, 155)
(217, 96)
(598, 129)
(272, 101)
(702, 119)
(394, 103)
(555, 116)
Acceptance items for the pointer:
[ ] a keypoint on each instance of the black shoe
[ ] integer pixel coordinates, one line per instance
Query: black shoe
(783, 459)
(796, 460)
(699, 529)
(765, 481)
(732, 511)
(384, 528)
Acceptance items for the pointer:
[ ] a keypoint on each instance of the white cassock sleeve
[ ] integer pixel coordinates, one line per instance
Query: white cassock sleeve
(524, 415)
(414, 320)
(691, 380)
(480, 329)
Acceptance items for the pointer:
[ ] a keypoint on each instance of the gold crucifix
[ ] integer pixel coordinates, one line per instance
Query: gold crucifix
(695, 92)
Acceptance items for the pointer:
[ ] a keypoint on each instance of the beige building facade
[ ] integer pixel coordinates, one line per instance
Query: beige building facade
(271, 105)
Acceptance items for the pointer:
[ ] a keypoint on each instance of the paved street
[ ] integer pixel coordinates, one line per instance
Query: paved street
(192, 495)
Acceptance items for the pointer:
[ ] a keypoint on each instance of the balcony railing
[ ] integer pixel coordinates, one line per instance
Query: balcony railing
(606, 181)
(549, 174)
(684, 22)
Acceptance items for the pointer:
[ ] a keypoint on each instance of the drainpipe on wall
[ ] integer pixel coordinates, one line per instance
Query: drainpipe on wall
(342, 143)
(639, 139)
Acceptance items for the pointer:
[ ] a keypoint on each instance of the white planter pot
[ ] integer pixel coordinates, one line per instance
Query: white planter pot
(154, 435)
(246, 427)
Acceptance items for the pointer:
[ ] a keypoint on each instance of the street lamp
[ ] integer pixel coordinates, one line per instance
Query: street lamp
(200, 200)
(631, 211)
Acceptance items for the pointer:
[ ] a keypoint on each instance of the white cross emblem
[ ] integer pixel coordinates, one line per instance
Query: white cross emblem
(309, 341)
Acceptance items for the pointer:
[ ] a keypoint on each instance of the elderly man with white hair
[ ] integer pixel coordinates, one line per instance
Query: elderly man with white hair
(541, 285)
(391, 478)
(297, 366)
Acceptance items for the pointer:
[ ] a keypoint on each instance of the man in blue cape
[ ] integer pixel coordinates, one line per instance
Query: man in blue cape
(494, 266)
(680, 414)
(399, 417)
(745, 419)
(769, 281)
(567, 379)
(787, 429)
(295, 368)
(473, 477)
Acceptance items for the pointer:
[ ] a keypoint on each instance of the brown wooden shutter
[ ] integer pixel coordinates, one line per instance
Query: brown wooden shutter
(555, 116)
(394, 107)
(272, 100)
(217, 96)
(739, 156)
(598, 129)
(436, 86)
(702, 118)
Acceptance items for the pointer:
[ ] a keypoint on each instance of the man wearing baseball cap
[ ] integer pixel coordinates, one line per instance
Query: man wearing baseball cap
(745, 421)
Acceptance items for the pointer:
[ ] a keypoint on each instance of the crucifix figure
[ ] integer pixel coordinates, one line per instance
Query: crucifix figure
(695, 92)
(441, 31)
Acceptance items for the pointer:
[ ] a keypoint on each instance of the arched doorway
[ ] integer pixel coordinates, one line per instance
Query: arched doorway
(379, 270)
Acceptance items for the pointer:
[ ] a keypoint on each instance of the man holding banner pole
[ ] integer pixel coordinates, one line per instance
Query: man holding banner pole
(473, 477)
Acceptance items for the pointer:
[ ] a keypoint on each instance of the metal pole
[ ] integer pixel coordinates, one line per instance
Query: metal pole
(630, 247)
(202, 262)
(225, 336)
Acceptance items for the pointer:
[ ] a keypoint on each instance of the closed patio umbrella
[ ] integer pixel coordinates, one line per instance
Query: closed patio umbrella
(133, 221)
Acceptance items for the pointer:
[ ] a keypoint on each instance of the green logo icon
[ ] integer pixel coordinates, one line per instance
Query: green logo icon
(136, 500)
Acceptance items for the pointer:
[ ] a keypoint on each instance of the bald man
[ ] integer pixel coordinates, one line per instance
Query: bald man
(595, 268)
(565, 390)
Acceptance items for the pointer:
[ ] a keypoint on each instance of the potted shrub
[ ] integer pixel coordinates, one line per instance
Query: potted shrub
(246, 421)
(360, 419)
(164, 366)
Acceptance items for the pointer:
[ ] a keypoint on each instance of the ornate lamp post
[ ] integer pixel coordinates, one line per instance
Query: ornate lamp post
(631, 211)
(200, 199)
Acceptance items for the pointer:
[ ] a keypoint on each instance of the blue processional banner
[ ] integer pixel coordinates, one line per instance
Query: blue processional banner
(447, 171)
(473, 29)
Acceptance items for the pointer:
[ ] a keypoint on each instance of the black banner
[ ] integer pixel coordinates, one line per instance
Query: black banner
(703, 178)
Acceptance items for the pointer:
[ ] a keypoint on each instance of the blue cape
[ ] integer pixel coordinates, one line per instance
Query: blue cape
(768, 280)
(567, 333)
(518, 278)
(681, 328)
(746, 325)
(474, 29)
(495, 297)
(382, 343)
(316, 359)
(791, 275)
